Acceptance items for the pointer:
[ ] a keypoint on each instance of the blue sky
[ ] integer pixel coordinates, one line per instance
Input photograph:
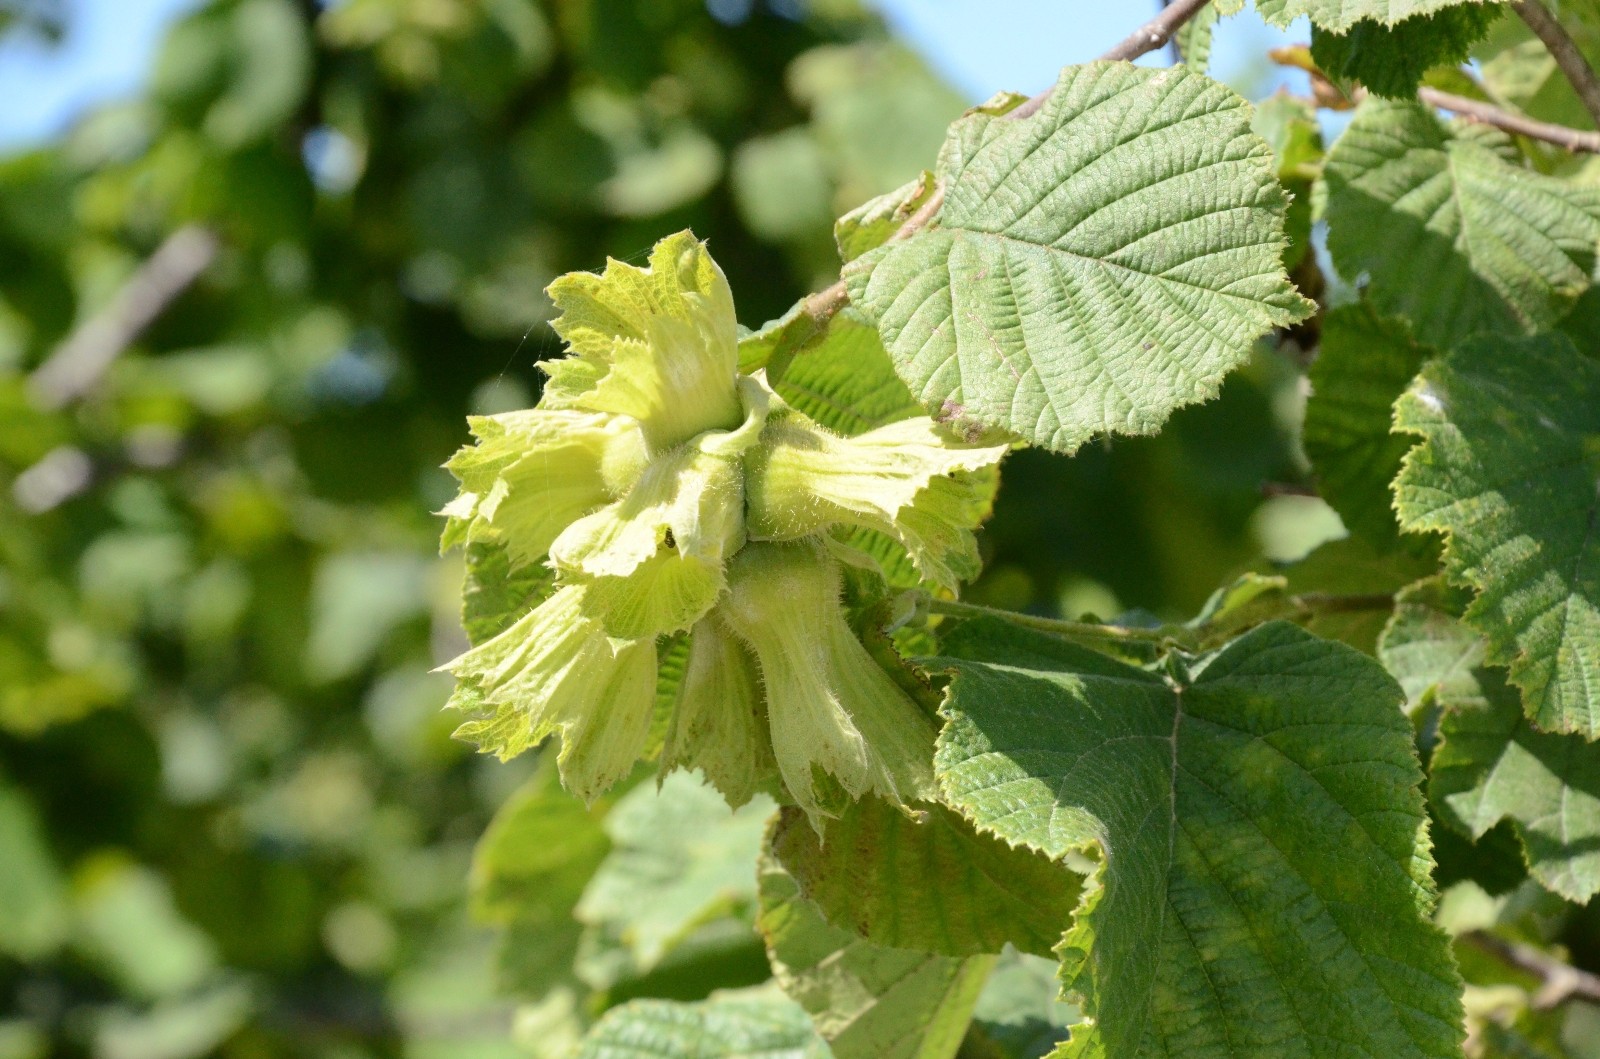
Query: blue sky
(107, 55)
(981, 46)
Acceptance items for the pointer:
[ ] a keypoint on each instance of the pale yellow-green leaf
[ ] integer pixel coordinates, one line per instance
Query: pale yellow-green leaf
(555, 671)
(658, 344)
(840, 725)
(719, 718)
(907, 479)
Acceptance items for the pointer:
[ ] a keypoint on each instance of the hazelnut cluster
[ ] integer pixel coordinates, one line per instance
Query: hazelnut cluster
(668, 493)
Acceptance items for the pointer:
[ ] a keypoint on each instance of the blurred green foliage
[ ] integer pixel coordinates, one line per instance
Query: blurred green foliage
(232, 821)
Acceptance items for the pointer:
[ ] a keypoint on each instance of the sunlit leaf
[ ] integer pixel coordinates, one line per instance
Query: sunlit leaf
(1088, 274)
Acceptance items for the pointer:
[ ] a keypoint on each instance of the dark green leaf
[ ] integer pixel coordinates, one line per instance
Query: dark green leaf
(1391, 60)
(1448, 233)
(1259, 840)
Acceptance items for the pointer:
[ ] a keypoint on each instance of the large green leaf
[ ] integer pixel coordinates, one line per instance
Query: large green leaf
(1391, 60)
(1094, 265)
(1449, 234)
(1492, 765)
(868, 1001)
(1363, 365)
(1509, 475)
(1262, 886)
(973, 893)
(1340, 15)
(732, 1027)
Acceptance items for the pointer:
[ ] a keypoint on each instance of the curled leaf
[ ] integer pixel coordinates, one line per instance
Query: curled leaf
(555, 671)
(906, 479)
(533, 472)
(659, 344)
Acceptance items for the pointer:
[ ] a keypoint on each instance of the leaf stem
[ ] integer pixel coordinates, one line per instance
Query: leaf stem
(1305, 605)
(1086, 629)
(1337, 603)
(1565, 51)
(826, 303)
(1489, 114)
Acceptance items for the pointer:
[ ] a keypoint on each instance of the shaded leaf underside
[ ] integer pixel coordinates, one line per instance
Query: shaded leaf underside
(868, 1001)
(1492, 764)
(1449, 234)
(933, 884)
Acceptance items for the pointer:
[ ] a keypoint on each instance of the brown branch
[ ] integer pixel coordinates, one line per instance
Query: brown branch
(1330, 96)
(1561, 981)
(1489, 114)
(823, 305)
(79, 362)
(1564, 51)
(1157, 32)
(1149, 37)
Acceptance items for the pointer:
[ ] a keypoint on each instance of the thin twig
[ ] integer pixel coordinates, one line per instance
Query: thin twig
(823, 305)
(1147, 38)
(1564, 51)
(1488, 114)
(1562, 981)
(78, 364)
(1329, 96)
(1155, 33)
(1341, 603)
